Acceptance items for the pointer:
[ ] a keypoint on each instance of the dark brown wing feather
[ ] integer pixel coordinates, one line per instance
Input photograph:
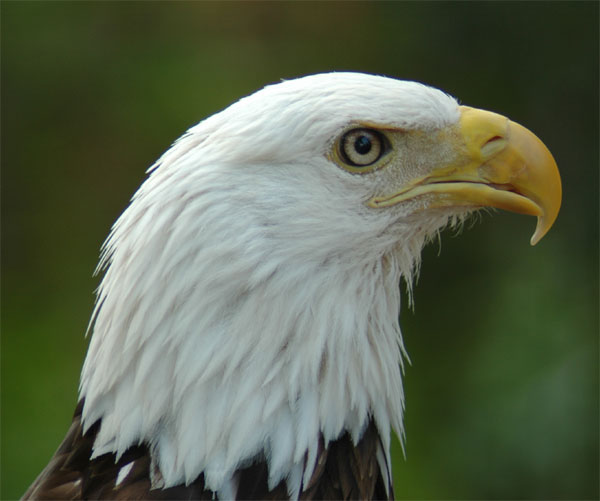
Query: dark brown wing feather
(348, 471)
(343, 471)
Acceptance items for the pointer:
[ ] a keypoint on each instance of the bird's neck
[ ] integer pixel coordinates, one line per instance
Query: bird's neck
(217, 371)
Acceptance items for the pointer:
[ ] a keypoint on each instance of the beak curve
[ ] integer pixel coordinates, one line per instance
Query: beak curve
(499, 164)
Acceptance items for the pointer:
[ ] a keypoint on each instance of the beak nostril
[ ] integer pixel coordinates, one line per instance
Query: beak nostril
(493, 146)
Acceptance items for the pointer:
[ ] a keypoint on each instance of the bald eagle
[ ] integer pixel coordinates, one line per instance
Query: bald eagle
(245, 339)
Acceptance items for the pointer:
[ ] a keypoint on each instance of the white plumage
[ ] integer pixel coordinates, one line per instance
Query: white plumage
(247, 278)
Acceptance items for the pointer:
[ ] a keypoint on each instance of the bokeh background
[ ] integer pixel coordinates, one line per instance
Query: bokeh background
(502, 393)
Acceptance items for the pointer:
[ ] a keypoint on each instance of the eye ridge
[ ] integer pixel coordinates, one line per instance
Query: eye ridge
(362, 147)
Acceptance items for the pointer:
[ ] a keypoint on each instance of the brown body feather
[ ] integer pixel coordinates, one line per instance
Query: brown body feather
(343, 471)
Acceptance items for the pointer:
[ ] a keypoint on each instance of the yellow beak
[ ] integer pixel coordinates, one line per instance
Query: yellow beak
(499, 164)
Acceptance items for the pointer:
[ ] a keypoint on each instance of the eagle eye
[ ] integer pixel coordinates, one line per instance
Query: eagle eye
(362, 147)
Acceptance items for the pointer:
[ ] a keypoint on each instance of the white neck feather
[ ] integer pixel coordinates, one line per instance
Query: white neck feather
(227, 326)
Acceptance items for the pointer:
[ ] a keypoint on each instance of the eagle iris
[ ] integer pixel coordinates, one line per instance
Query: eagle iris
(362, 147)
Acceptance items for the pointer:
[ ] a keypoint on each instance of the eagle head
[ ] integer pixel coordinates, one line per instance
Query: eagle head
(249, 305)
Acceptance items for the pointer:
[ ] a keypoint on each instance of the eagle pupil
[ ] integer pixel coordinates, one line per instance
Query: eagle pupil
(362, 145)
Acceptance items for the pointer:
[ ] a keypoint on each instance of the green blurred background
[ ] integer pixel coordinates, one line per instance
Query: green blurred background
(502, 393)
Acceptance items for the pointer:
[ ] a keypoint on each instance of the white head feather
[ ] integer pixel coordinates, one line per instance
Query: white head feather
(251, 299)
